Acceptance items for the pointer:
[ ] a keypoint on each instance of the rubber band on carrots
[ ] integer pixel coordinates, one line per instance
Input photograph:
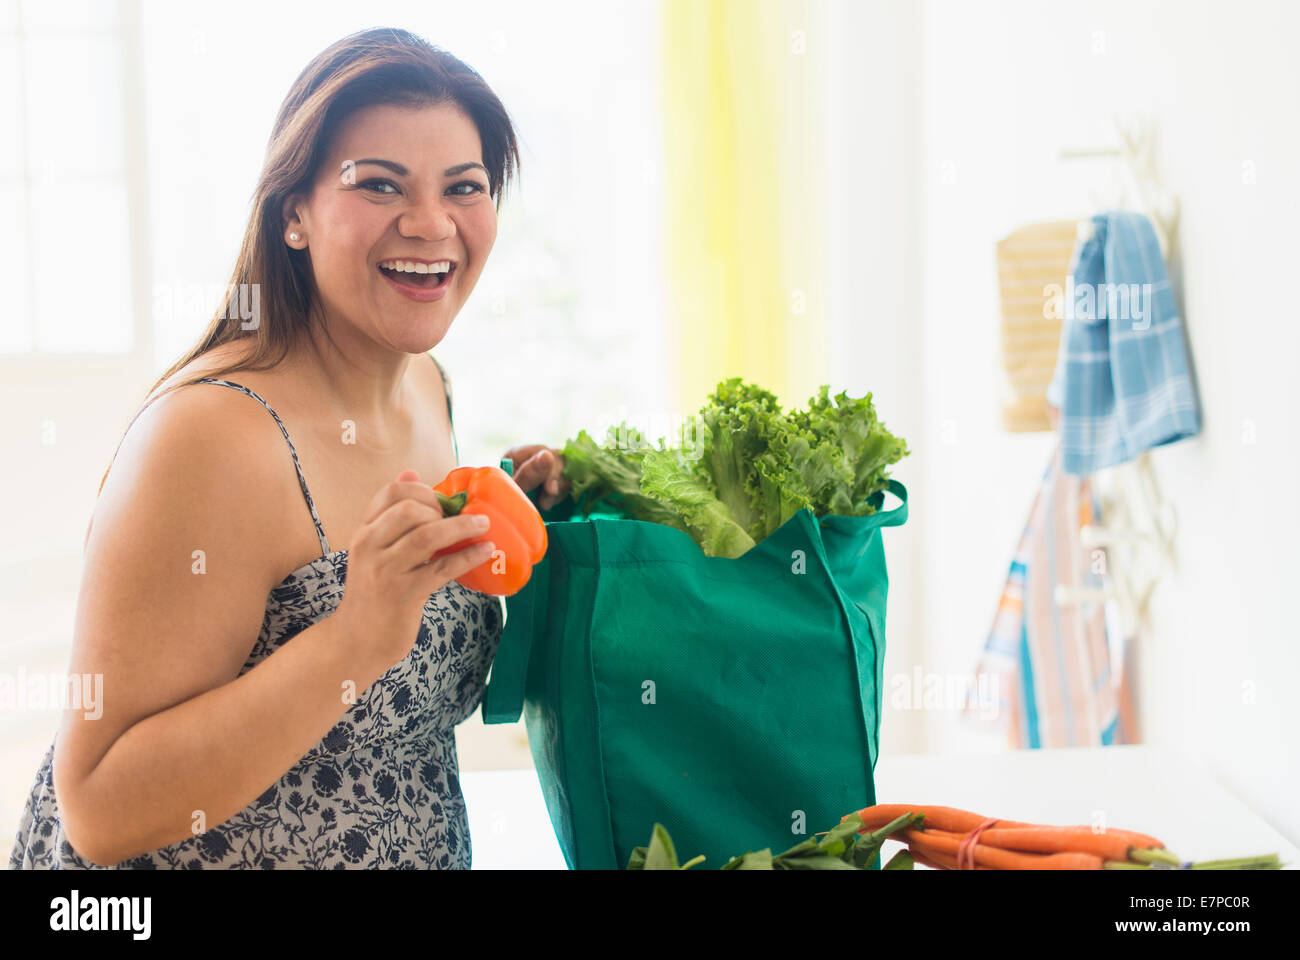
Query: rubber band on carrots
(966, 849)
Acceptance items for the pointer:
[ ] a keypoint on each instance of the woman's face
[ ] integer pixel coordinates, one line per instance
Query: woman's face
(361, 213)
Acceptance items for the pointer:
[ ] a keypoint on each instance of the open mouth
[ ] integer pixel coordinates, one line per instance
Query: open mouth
(423, 281)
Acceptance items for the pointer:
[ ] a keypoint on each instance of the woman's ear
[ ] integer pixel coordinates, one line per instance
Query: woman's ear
(289, 216)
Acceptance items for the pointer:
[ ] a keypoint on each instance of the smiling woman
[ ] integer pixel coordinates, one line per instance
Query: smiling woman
(263, 720)
(425, 231)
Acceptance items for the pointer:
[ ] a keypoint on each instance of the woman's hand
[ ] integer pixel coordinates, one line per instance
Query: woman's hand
(392, 571)
(535, 464)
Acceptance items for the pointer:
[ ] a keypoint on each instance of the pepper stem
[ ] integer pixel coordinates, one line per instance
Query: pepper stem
(453, 505)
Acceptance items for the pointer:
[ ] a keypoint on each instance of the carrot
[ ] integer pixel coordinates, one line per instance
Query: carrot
(1132, 838)
(1108, 846)
(945, 818)
(963, 821)
(938, 860)
(922, 859)
(930, 844)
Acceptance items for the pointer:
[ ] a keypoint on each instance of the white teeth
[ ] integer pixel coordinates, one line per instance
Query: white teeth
(409, 266)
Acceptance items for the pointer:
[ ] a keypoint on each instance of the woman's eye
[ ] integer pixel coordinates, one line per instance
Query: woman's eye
(477, 187)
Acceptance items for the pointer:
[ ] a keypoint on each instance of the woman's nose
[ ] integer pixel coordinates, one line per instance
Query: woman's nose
(428, 221)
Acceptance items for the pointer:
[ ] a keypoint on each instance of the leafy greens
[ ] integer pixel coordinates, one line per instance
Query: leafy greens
(750, 468)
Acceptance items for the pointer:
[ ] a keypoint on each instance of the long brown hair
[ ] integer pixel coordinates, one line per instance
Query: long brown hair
(383, 65)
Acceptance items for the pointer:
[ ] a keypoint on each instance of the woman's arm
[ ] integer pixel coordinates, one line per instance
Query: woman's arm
(172, 599)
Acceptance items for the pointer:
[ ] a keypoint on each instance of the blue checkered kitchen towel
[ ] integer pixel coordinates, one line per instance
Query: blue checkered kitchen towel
(1122, 381)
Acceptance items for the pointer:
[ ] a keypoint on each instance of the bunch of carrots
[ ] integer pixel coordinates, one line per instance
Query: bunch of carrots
(946, 838)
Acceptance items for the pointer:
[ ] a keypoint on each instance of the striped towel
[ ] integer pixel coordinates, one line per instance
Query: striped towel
(1032, 261)
(1122, 380)
(1050, 664)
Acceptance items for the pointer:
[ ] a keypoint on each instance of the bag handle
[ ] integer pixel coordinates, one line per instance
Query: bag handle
(897, 516)
(503, 698)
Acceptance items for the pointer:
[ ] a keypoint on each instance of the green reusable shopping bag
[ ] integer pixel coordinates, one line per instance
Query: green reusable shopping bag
(735, 701)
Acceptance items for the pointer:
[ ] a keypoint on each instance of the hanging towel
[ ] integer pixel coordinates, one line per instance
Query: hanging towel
(1032, 261)
(1049, 663)
(1123, 382)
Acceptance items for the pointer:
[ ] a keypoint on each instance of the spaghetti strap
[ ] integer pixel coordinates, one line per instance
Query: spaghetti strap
(446, 386)
(302, 481)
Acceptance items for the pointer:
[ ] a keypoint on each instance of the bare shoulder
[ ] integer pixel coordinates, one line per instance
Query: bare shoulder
(205, 456)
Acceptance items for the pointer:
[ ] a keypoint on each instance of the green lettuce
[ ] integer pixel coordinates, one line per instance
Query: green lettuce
(751, 470)
(706, 517)
(608, 477)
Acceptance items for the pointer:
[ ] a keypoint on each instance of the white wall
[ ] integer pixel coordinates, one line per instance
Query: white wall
(1005, 87)
(875, 288)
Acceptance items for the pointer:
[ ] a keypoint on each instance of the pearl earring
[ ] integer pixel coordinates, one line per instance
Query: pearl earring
(293, 236)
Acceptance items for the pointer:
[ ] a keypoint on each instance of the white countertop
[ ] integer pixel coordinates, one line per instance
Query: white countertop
(509, 828)
(1166, 795)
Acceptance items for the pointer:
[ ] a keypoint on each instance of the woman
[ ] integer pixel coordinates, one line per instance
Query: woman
(330, 744)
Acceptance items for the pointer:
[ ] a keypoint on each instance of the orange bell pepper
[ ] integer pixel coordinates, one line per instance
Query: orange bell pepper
(517, 531)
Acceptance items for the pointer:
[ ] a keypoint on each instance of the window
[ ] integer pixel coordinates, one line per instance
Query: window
(66, 261)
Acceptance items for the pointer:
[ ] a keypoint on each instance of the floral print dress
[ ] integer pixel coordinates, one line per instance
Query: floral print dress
(379, 791)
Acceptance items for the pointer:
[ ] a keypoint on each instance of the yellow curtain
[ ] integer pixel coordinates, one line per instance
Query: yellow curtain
(743, 196)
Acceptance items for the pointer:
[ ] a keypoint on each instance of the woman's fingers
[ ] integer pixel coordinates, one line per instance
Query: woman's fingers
(557, 484)
(460, 562)
(399, 525)
(419, 544)
(407, 504)
(408, 485)
(544, 467)
(529, 471)
(537, 464)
